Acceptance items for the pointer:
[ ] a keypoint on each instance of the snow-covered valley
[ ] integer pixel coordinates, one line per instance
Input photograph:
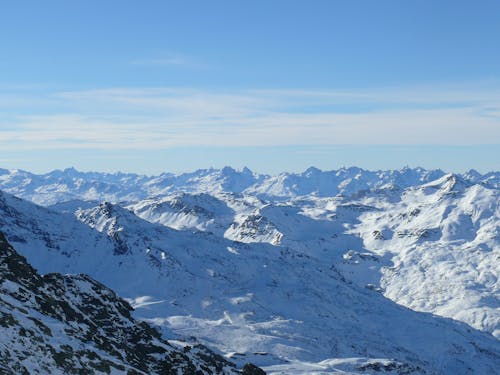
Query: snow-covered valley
(347, 271)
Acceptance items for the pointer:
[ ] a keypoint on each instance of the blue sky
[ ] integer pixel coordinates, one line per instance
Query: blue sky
(151, 86)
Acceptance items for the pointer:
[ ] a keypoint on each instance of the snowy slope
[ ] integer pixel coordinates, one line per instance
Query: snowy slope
(443, 239)
(286, 306)
(55, 324)
(184, 211)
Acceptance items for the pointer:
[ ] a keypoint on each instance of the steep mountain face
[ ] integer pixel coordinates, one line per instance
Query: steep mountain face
(442, 239)
(57, 324)
(296, 305)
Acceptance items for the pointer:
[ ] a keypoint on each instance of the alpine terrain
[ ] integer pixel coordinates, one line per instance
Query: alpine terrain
(321, 272)
(56, 324)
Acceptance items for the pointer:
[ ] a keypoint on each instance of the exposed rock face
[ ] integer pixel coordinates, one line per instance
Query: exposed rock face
(62, 324)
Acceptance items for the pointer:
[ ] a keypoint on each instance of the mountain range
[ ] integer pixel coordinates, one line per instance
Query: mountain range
(347, 271)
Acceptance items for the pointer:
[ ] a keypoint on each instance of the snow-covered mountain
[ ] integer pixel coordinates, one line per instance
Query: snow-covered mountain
(70, 184)
(56, 324)
(443, 241)
(433, 247)
(294, 272)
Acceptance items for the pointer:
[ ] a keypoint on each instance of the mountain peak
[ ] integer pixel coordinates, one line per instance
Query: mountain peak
(311, 171)
(227, 171)
(247, 171)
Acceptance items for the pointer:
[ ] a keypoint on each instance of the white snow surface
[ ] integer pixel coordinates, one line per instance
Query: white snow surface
(298, 273)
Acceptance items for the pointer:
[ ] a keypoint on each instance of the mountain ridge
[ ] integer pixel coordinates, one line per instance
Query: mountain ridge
(68, 184)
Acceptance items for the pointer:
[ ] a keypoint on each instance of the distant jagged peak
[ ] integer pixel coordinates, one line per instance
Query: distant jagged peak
(472, 174)
(449, 182)
(353, 169)
(246, 170)
(227, 170)
(71, 171)
(17, 172)
(70, 184)
(311, 171)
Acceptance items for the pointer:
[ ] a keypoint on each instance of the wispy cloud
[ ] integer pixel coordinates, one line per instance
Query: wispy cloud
(155, 118)
(168, 60)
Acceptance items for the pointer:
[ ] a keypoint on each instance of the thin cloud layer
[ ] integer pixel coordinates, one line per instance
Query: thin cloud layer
(152, 118)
